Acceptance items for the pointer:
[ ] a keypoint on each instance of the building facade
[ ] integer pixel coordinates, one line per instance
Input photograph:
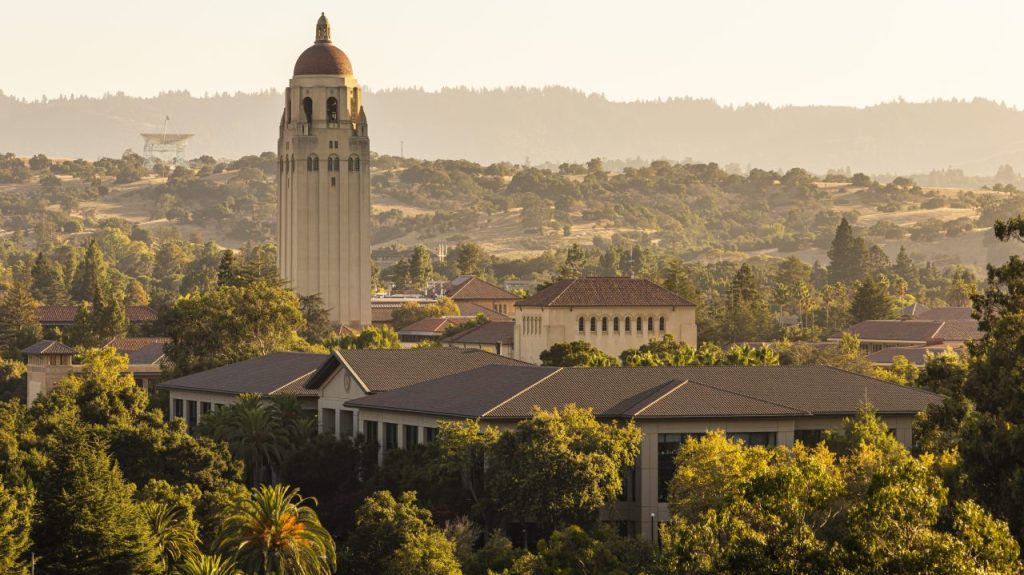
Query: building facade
(612, 314)
(324, 183)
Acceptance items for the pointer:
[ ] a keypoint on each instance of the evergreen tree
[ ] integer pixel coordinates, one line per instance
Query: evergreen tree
(91, 525)
(318, 319)
(109, 317)
(19, 326)
(48, 281)
(15, 521)
(421, 270)
(871, 300)
(747, 317)
(469, 258)
(90, 275)
(137, 294)
(575, 261)
(847, 255)
(227, 271)
(677, 281)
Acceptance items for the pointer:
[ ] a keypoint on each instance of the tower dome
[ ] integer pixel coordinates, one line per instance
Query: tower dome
(323, 57)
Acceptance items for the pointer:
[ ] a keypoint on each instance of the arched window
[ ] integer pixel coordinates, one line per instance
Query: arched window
(292, 161)
(615, 325)
(333, 163)
(307, 108)
(583, 325)
(309, 164)
(604, 325)
(332, 110)
(353, 163)
(313, 163)
(650, 324)
(627, 321)
(593, 324)
(661, 323)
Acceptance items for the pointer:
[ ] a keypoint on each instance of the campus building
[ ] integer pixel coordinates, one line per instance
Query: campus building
(398, 398)
(611, 313)
(324, 183)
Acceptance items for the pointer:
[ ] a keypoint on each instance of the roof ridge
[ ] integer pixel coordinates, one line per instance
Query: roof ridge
(307, 374)
(569, 282)
(679, 383)
(875, 379)
(522, 391)
(736, 393)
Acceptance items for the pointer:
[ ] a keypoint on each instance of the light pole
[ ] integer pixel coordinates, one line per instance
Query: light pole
(652, 528)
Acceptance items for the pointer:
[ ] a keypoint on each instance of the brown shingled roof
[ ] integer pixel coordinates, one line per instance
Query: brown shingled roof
(915, 330)
(390, 369)
(946, 313)
(604, 291)
(471, 309)
(266, 375)
(48, 347)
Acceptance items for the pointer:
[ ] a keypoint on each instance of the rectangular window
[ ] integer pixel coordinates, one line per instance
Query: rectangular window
(204, 408)
(429, 434)
(668, 445)
(347, 424)
(370, 431)
(390, 436)
(328, 419)
(193, 413)
(754, 438)
(809, 437)
(412, 435)
(628, 476)
(179, 408)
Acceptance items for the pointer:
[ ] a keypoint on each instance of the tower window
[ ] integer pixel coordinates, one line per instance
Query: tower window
(661, 324)
(583, 325)
(593, 324)
(615, 325)
(307, 108)
(650, 324)
(332, 110)
(334, 181)
(604, 325)
(353, 163)
(313, 164)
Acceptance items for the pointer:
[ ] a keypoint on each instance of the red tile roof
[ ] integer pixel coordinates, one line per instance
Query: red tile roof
(472, 287)
(65, 314)
(48, 347)
(604, 291)
(435, 325)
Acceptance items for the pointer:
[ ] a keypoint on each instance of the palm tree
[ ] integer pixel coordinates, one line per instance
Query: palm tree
(253, 431)
(173, 530)
(274, 531)
(207, 565)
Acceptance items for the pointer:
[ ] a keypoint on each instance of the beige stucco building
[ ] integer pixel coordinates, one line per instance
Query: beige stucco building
(324, 183)
(399, 398)
(611, 313)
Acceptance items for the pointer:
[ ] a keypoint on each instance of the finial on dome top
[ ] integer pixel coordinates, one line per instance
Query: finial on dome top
(323, 30)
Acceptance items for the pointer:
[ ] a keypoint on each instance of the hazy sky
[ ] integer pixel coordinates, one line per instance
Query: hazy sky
(776, 51)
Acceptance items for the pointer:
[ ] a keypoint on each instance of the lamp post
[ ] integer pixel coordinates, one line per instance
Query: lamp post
(652, 528)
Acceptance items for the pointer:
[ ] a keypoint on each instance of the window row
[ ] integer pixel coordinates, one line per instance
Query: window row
(333, 163)
(307, 110)
(627, 325)
(192, 411)
(410, 435)
(531, 325)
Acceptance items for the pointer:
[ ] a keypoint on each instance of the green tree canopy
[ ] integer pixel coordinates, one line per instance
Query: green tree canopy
(576, 353)
(231, 324)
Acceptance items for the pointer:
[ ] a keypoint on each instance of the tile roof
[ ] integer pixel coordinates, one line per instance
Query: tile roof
(656, 392)
(490, 332)
(914, 354)
(913, 310)
(390, 369)
(946, 313)
(48, 347)
(471, 393)
(604, 291)
(127, 344)
(959, 330)
(381, 314)
(151, 354)
(915, 330)
(59, 314)
(911, 330)
(266, 375)
(472, 287)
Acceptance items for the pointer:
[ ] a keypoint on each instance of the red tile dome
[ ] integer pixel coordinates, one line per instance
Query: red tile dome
(323, 57)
